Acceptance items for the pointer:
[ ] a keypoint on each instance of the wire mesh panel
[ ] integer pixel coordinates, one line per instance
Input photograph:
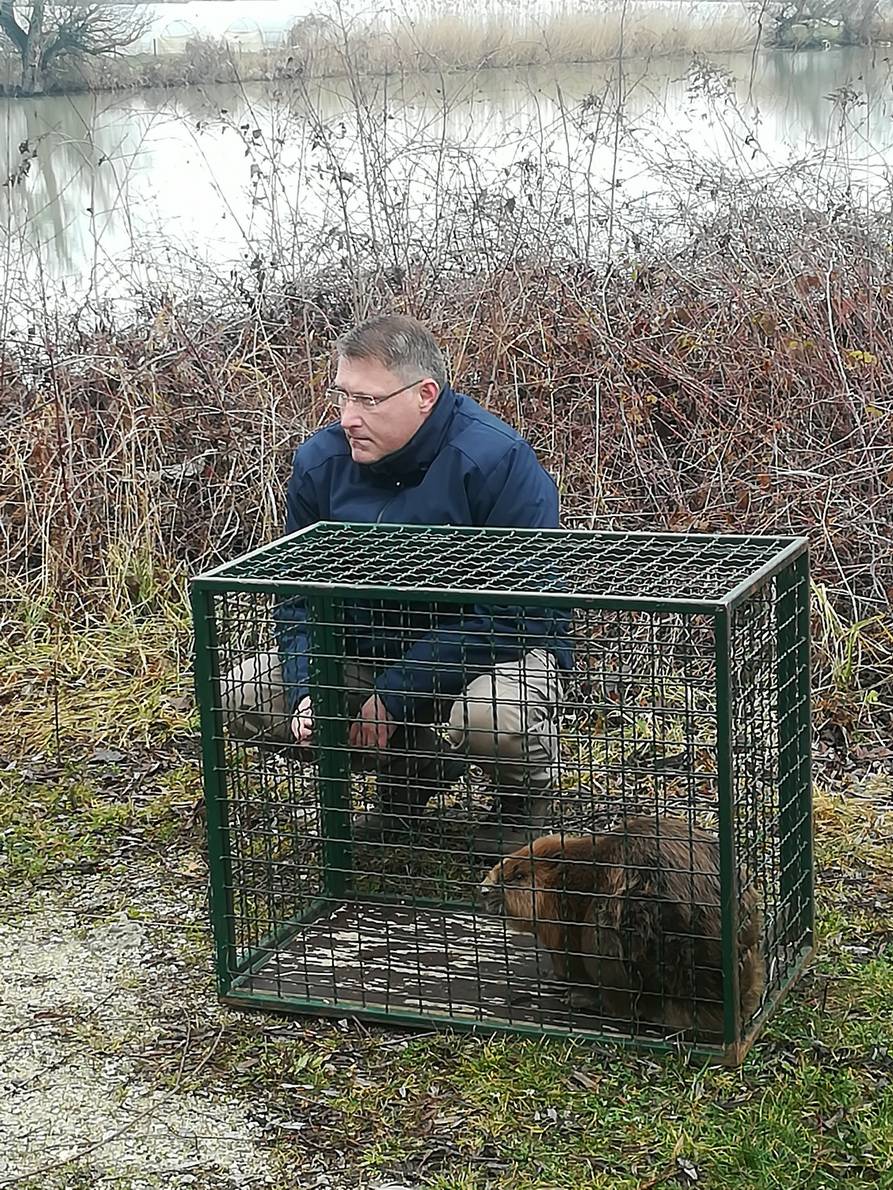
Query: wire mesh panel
(544, 781)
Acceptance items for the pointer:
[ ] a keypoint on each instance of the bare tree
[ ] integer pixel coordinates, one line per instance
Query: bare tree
(861, 19)
(47, 34)
(854, 17)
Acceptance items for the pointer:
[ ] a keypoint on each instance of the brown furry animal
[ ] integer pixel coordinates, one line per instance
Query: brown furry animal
(632, 921)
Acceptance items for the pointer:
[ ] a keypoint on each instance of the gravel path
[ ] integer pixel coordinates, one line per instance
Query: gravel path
(78, 1006)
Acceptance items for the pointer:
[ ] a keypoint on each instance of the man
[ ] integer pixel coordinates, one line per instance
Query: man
(408, 449)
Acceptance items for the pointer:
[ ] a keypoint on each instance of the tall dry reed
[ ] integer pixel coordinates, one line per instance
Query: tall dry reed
(443, 37)
(745, 390)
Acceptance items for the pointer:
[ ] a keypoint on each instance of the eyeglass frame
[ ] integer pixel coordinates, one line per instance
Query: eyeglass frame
(363, 399)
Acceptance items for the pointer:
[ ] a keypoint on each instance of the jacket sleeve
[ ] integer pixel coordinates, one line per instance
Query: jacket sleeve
(518, 494)
(290, 615)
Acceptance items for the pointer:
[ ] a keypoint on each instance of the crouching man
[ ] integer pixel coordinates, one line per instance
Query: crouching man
(409, 450)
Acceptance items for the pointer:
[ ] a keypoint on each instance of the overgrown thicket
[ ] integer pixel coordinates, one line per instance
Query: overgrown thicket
(741, 386)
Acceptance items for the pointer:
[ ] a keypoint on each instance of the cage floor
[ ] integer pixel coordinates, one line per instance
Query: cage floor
(421, 961)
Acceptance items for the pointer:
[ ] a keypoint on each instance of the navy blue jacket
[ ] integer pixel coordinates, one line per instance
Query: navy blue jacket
(462, 467)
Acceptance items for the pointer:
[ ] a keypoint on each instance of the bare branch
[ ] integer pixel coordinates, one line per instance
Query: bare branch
(42, 33)
(11, 27)
(91, 30)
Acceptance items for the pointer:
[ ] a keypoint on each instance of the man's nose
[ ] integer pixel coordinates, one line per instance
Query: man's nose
(351, 418)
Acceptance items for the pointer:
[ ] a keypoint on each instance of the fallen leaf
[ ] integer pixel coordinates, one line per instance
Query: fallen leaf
(585, 1080)
(687, 1170)
(106, 755)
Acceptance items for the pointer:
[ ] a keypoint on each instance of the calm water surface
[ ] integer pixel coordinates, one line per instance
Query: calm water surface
(106, 193)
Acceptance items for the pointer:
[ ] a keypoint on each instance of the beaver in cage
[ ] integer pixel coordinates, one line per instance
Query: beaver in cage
(631, 919)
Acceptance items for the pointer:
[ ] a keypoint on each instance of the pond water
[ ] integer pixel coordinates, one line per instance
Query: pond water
(106, 194)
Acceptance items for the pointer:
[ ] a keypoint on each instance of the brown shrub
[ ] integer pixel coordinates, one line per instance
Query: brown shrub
(735, 389)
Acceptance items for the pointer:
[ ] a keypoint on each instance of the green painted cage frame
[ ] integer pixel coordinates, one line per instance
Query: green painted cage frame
(785, 566)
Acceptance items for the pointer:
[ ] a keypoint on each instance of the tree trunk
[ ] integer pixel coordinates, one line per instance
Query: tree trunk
(32, 81)
(864, 21)
(11, 27)
(787, 15)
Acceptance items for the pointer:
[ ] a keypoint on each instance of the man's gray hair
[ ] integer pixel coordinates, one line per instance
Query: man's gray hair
(398, 342)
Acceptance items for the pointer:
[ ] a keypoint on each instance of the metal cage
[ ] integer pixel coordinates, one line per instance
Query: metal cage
(672, 902)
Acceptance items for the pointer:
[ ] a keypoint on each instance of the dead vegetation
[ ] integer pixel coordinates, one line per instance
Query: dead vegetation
(334, 42)
(741, 385)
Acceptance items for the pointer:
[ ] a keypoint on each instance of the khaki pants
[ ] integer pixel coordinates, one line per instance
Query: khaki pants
(506, 720)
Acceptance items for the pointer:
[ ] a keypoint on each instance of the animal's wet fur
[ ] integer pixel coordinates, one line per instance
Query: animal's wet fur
(631, 919)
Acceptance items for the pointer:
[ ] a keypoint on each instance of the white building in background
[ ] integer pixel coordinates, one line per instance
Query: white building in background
(249, 24)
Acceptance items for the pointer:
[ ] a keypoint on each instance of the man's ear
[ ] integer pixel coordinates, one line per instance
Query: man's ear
(428, 394)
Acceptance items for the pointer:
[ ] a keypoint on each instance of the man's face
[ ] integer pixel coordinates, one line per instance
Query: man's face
(374, 433)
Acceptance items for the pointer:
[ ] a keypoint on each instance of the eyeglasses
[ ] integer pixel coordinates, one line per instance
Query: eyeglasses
(342, 398)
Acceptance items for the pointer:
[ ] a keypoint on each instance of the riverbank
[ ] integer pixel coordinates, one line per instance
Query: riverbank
(657, 399)
(325, 46)
(722, 362)
(742, 384)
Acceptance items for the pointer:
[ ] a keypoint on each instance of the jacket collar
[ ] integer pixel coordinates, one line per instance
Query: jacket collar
(410, 462)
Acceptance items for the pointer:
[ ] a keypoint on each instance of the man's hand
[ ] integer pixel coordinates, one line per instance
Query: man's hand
(302, 723)
(373, 727)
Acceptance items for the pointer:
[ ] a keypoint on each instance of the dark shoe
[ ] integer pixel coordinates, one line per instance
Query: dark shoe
(373, 826)
(439, 775)
(530, 812)
(514, 822)
(493, 840)
(406, 794)
(417, 767)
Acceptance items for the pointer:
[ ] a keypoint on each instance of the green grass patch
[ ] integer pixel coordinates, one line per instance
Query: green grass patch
(112, 681)
(71, 818)
(812, 1107)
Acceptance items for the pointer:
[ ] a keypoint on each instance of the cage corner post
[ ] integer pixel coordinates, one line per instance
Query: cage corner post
(795, 810)
(734, 1047)
(207, 691)
(325, 624)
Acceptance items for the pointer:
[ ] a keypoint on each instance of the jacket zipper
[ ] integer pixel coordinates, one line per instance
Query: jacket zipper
(390, 500)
